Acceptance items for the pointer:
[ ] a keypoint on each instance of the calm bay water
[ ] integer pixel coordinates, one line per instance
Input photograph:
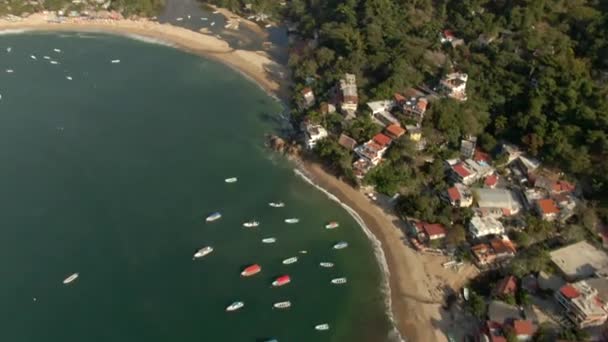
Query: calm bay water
(112, 174)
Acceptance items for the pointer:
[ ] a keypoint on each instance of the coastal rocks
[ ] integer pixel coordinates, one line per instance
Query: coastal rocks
(279, 144)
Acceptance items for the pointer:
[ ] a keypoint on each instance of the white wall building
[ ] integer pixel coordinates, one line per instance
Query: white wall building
(482, 226)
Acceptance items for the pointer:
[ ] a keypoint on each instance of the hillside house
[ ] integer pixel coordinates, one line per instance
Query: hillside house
(394, 131)
(459, 196)
(349, 98)
(414, 108)
(381, 112)
(582, 304)
(455, 86)
(313, 134)
(308, 98)
(467, 147)
(547, 209)
(505, 287)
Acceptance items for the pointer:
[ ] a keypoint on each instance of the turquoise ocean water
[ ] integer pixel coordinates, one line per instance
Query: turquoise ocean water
(111, 175)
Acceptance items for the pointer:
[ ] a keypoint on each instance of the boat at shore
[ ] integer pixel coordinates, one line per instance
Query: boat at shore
(269, 240)
(276, 204)
(326, 264)
(322, 327)
(251, 224)
(282, 280)
(289, 261)
(332, 225)
(251, 270)
(214, 217)
(341, 245)
(339, 281)
(235, 306)
(231, 180)
(70, 279)
(202, 252)
(282, 305)
(292, 220)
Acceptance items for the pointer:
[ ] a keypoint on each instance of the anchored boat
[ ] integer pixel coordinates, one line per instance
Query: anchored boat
(282, 280)
(235, 306)
(213, 217)
(202, 252)
(290, 260)
(251, 270)
(70, 279)
(282, 305)
(341, 245)
(332, 225)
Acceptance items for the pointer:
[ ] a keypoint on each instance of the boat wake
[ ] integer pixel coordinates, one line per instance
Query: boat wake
(394, 335)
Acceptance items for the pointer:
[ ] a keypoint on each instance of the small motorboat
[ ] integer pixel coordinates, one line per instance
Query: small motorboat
(70, 279)
(251, 270)
(213, 23)
(179, 19)
(9, 49)
(282, 280)
(9, 71)
(57, 50)
(303, 252)
(326, 264)
(292, 220)
(269, 240)
(251, 224)
(332, 225)
(235, 306)
(115, 61)
(214, 217)
(46, 57)
(202, 252)
(54, 62)
(231, 180)
(282, 305)
(341, 245)
(33, 57)
(289, 261)
(69, 78)
(276, 204)
(322, 327)
(338, 281)
(204, 19)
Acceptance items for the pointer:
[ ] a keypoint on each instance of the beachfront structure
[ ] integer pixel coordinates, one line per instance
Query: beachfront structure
(349, 99)
(482, 226)
(313, 134)
(371, 151)
(430, 231)
(459, 196)
(579, 261)
(308, 98)
(496, 202)
(381, 112)
(361, 167)
(547, 209)
(455, 85)
(582, 304)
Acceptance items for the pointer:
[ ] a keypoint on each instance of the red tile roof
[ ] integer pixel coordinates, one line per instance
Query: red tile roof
(547, 206)
(448, 33)
(382, 139)
(479, 155)
(502, 246)
(507, 285)
(563, 186)
(523, 327)
(454, 193)
(491, 180)
(569, 291)
(434, 229)
(399, 98)
(395, 130)
(461, 170)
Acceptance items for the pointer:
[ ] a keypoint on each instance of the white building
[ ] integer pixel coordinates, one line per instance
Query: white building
(482, 226)
(496, 202)
(313, 134)
(349, 97)
(455, 84)
(381, 112)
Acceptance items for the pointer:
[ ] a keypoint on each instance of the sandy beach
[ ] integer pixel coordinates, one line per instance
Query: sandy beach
(417, 281)
(256, 65)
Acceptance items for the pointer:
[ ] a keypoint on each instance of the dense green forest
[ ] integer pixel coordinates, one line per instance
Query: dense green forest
(538, 69)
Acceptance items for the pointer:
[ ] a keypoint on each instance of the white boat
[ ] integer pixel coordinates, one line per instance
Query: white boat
(251, 224)
(303, 252)
(46, 57)
(235, 306)
(332, 225)
(189, 16)
(338, 281)
(212, 23)
(33, 57)
(322, 327)
(204, 19)
(202, 252)
(269, 240)
(231, 180)
(115, 61)
(9, 71)
(70, 279)
(179, 19)
(57, 50)
(9, 49)
(326, 264)
(292, 220)
(213, 217)
(282, 305)
(341, 245)
(54, 62)
(69, 78)
(276, 204)
(290, 260)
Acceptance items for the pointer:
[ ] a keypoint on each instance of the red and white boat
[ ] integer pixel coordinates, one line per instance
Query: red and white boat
(282, 280)
(251, 270)
(332, 225)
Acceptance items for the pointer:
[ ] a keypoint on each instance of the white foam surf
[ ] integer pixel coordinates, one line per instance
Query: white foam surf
(13, 31)
(378, 252)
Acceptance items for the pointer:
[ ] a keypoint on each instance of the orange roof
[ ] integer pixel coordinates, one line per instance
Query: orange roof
(453, 193)
(434, 229)
(569, 291)
(399, 98)
(547, 206)
(395, 130)
(507, 285)
(382, 139)
(523, 327)
(479, 155)
(563, 186)
(502, 246)
(422, 104)
(491, 180)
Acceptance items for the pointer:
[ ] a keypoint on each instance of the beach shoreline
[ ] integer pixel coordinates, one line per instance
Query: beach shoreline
(415, 282)
(257, 66)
